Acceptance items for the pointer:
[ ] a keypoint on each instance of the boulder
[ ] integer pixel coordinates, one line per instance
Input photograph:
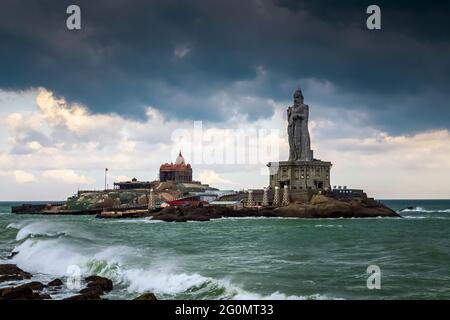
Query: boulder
(92, 291)
(22, 293)
(13, 277)
(96, 281)
(16, 293)
(86, 296)
(11, 272)
(55, 283)
(146, 296)
(35, 286)
(328, 207)
(40, 296)
(96, 287)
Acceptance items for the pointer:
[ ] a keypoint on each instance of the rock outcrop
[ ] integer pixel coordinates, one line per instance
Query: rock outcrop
(96, 287)
(192, 213)
(327, 207)
(146, 296)
(34, 285)
(11, 272)
(55, 283)
(103, 283)
(320, 206)
(27, 291)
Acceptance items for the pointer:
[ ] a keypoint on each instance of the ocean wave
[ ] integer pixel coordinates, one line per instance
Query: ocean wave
(44, 253)
(421, 209)
(15, 225)
(173, 285)
(169, 283)
(49, 229)
(426, 217)
(288, 261)
(328, 226)
(37, 229)
(52, 257)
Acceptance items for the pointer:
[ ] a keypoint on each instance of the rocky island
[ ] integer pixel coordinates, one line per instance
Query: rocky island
(298, 188)
(319, 207)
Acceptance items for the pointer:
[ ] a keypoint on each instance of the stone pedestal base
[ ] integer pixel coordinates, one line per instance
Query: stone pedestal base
(300, 175)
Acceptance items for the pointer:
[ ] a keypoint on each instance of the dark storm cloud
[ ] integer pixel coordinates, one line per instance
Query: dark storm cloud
(182, 56)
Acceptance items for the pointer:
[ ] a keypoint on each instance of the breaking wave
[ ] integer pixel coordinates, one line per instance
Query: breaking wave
(421, 209)
(173, 285)
(51, 255)
(422, 213)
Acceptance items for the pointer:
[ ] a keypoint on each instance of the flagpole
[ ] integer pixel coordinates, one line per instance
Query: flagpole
(106, 170)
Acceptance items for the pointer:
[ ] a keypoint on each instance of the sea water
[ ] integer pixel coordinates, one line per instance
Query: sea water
(242, 258)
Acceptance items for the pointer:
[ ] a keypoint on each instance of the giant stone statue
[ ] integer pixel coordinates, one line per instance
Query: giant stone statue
(302, 173)
(298, 133)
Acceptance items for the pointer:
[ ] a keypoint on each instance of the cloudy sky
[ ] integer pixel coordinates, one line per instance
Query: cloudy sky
(119, 92)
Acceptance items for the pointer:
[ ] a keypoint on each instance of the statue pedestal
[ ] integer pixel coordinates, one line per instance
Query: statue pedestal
(300, 175)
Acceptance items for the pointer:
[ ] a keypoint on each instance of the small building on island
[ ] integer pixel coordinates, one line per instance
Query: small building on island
(133, 184)
(180, 171)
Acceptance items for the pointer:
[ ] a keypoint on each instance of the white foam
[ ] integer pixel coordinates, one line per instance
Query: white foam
(49, 256)
(421, 209)
(426, 217)
(169, 283)
(278, 296)
(161, 282)
(328, 225)
(39, 228)
(15, 225)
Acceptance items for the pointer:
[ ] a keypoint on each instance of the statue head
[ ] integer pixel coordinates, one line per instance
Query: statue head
(298, 97)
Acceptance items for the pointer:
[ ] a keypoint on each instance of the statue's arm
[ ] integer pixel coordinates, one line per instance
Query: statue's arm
(304, 112)
(289, 115)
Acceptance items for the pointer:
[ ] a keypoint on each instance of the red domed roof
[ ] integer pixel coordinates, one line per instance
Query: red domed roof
(179, 165)
(180, 159)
